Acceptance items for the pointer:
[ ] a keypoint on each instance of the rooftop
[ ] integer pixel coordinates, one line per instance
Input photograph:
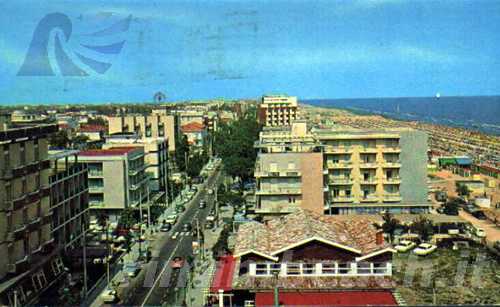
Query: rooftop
(192, 127)
(283, 233)
(115, 151)
(93, 128)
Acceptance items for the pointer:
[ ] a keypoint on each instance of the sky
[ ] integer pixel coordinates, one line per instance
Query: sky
(126, 51)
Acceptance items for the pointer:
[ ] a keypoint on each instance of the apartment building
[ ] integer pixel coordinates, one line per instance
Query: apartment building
(116, 180)
(361, 171)
(68, 198)
(156, 125)
(373, 171)
(155, 159)
(28, 260)
(278, 110)
(196, 134)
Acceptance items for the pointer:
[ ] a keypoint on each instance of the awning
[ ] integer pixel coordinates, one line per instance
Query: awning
(223, 278)
(341, 298)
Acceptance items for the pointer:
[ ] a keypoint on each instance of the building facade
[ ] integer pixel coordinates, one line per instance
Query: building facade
(151, 126)
(278, 110)
(116, 180)
(28, 260)
(69, 198)
(362, 171)
(155, 159)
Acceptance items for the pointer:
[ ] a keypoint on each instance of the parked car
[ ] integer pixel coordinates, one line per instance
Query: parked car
(478, 214)
(496, 246)
(180, 208)
(131, 269)
(172, 219)
(480, 232)
(424, 249)
(470, 208)
(177, 263)
(210, 191)
(404, 246)
(165, 227)
(187, 227)
(209, 224)
(109, 296)
(202, 204)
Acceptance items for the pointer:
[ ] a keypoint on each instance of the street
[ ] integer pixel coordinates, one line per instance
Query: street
(149, 287)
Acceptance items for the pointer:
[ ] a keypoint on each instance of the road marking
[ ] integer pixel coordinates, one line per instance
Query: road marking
(160, 275)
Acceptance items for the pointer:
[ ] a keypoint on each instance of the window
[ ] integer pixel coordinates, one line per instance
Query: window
(328, 268)
(6, 156)
(291, 165)
(307, 268)
(36, 150)
(37, 181)
(348, 193)
(293, 269)
(344, 268)
(22, 152)
(24, 186)
(261, 269)
(380, 268)
(8, 192)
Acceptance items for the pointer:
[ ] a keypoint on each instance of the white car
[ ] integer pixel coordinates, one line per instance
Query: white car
(404, 246)
(424, 249)
(109, 296)
(480, 232)
(171, 219)
(210, 191)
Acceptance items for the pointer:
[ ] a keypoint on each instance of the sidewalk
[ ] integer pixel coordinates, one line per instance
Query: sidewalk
(205, 269)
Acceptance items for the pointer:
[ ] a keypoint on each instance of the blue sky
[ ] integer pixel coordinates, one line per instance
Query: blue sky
(242, 49)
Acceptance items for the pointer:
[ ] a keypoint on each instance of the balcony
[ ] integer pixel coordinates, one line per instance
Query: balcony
(391, 149)
(279, 191)
(339, 180)
(96, 203)
(135, 171)
(369, 181)
(343, 199)
(137, 185)
(392, 180)
(338, 150)
(368, 165)
(95, 174)
(369, 199)
(368, 150)
(294, 173)
(339, 164)
(392, 197)
(96, 189)
(391, 164)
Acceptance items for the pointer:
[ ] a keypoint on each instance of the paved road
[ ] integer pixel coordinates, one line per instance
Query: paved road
(152, 289)
(492, 232)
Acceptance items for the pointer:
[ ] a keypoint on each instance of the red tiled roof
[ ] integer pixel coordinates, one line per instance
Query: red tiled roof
(224, 275)
(93, 128)
(116, 151)
(341, 298)
(192, 127)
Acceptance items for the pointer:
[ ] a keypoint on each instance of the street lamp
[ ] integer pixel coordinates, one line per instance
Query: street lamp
(276, 296)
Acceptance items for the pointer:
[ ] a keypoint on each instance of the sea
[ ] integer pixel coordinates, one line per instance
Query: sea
(481, 113)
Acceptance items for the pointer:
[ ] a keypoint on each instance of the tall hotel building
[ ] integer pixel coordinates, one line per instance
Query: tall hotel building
(28, 259)
(278, 110)
(341, 171)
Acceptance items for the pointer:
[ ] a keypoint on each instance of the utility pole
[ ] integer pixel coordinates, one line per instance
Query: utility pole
(107, 257)
(140, 222)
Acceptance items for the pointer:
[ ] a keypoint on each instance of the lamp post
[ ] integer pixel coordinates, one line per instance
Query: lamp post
(276, 295)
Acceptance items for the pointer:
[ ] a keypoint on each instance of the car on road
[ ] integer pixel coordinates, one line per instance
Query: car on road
(478, 214)
(166, 227)
(424, 249)
(210, 191)
(109, 296)
(172, 219)
(480, 232)
(187, 227)
(177, 262)
(180, 208)
(131, 269)
(202, 205)
(404, 246)
(470, 208)
(209, 224)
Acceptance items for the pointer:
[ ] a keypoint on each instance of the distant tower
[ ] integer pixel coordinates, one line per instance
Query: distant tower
(159, 97)
(438, 95)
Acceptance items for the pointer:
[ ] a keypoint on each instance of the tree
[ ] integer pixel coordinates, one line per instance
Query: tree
(80, 141)
(463, 190)
(234, 143)
(59, 139)
(181, 151)
(423, 227)
(390, 225)
(451, 207)
(127, 219)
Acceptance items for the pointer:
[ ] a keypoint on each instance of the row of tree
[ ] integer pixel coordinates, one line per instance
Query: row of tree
(234, 143)
(421, 226)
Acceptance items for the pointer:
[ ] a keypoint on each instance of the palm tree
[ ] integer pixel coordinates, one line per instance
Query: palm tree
(423, 227)
(390, 225)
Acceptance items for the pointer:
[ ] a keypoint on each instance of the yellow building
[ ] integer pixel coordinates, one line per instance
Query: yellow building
(278, 110)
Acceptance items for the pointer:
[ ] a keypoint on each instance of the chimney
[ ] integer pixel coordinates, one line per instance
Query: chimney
(379, 237)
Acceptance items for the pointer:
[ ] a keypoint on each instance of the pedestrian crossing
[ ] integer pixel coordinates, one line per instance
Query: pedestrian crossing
(181, 234)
